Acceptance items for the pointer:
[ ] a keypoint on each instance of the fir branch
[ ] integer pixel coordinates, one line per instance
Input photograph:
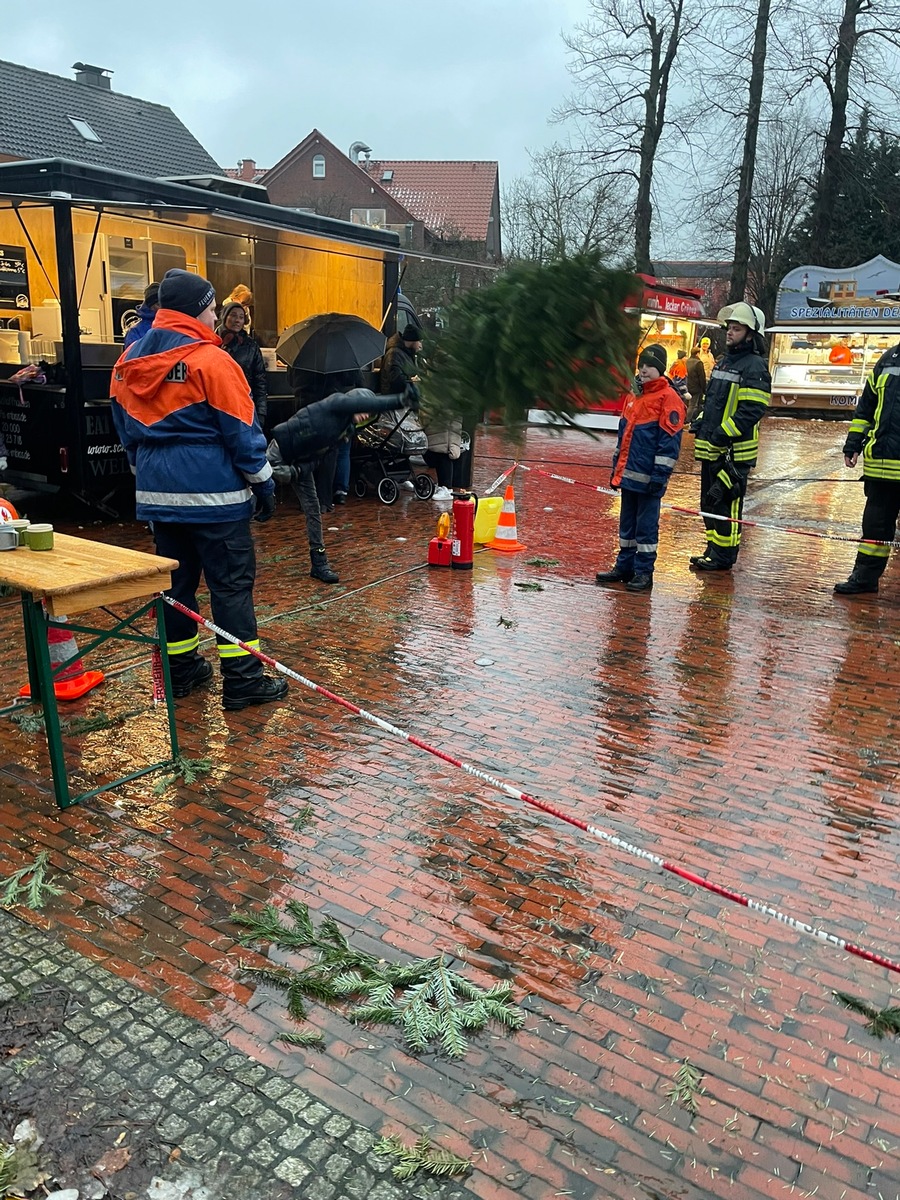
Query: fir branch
(687, 1087)
(882, 1021)
(29, 886)
(312, 1038)
(529, 586)
(538, 561)
(187, 770)
(304, 816)
(421, 1156)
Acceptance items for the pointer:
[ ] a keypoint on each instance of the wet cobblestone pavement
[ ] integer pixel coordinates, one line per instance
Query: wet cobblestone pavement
(744, 726)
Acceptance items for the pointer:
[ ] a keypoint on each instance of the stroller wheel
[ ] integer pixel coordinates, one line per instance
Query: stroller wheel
(387, 490)
(424, 486)
(360, 488)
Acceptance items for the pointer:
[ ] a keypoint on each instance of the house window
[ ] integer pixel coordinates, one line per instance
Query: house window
(85, 130)
(375, 218)
(318, 166)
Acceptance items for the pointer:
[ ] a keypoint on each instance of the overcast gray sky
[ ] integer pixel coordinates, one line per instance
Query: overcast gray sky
(469, 79)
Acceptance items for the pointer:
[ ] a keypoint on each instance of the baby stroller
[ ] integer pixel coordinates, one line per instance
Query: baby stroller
(379, 456)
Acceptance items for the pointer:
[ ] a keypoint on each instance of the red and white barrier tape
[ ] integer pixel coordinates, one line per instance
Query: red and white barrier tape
(515, 794)
(698, 512)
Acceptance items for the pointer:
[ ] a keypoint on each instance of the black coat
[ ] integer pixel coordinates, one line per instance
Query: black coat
(321, 425)
(246, 353)
(397, 368)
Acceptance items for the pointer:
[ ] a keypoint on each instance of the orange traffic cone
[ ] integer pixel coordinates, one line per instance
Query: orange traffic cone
(73, 681)
(506, 538)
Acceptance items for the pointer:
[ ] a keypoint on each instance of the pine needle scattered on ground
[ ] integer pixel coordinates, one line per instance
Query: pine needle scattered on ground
(430, 1002)
(187, 770)
(882, 1021)
(541, 562)
(421, 1156)
(529, 586)
(29, 886)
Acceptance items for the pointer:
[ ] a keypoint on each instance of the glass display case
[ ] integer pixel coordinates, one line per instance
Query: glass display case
(822, 370)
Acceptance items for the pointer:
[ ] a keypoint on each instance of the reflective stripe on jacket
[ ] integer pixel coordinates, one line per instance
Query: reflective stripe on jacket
(875, 428)
(738, 392)
(185, 418)
(649, 438)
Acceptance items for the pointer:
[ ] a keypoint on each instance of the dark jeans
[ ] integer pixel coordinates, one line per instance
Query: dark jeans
(723, 537)
(342, 470)
(324, 476)
(879, 524)
(443, 465)
(638, 533)
(305, 490)
(224, 554)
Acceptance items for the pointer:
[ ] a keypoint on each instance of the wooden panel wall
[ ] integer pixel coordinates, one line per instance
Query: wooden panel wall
(39, 223)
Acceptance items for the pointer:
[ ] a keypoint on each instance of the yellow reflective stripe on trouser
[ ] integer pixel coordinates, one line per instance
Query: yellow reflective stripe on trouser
(881, 468)
(874, 551)
(188, 646)
(733, 537)
(227, 650)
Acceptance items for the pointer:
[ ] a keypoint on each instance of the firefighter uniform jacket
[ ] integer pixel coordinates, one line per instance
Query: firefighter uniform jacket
(185, 417)
(649, 438)
(875, 428)
(738, 392)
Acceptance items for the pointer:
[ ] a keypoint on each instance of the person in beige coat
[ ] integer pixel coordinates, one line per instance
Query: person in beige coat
(444, 447)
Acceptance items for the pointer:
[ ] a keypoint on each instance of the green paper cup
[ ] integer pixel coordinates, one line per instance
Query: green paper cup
(39, 537)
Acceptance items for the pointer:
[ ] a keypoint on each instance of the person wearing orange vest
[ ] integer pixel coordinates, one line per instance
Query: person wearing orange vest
(185, 417)
(649, 443)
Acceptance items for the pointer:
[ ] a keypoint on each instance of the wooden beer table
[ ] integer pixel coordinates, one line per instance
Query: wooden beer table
(77, 575)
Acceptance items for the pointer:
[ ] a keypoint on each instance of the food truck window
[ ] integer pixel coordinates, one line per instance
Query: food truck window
(29, 285)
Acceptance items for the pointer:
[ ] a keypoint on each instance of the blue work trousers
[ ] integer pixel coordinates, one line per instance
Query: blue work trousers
(638, 533)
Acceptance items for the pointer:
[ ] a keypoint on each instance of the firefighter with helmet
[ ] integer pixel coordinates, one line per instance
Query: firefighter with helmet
(875, 435)
(727, 432)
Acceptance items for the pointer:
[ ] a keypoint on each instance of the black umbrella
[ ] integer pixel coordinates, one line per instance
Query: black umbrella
(330, 342)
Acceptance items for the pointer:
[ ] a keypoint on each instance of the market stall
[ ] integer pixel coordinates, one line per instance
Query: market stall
(831, 326)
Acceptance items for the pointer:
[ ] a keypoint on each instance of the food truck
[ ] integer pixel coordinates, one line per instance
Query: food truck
(78, 245)
(670, 316)
(831, 326)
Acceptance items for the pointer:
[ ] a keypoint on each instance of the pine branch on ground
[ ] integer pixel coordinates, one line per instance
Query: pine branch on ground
(421, 1156)
(882, 1021)
(187, 770)
(29, 886)
(424, 997)
(687, 1087)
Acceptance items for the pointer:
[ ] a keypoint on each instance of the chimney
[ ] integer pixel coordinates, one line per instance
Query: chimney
(97, 77)
(248, 169)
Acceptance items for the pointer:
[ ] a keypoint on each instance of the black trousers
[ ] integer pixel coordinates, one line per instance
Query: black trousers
(723, 537)
(224, 554)
(879, 523)
(304, 486)
(443, 465)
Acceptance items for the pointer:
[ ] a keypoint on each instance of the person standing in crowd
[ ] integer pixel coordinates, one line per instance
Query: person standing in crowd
(398, 368)
(146, 312)
(185, 418)
(696, 382)
(678, 369)
(245, 351)
(738, 393)
(243, 296)
(875, 434)
(444, 447)
(647, 450)
(705, 355)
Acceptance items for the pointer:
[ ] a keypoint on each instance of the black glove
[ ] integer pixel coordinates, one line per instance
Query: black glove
(265, 507)
(656, 488)
(715, 496)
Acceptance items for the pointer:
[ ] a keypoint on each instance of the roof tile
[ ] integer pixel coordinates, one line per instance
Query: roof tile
(445, 196)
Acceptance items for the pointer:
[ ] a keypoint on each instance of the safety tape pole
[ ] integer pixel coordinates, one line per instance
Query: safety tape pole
(698, 512)
(515, 794)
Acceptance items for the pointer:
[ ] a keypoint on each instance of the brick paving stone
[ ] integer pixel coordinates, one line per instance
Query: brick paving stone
(742, 730)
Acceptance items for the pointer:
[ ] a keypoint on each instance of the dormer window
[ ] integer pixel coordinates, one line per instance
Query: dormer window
(318, 166)
(85, 130)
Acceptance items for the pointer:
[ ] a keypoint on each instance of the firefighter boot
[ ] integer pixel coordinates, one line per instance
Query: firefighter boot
(856, 584)
(640, 583)
(613, 576)
(193, 673)
(321, 569)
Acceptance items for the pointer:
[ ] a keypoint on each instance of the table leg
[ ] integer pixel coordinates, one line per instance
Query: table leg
(42, 691)
(167, 675)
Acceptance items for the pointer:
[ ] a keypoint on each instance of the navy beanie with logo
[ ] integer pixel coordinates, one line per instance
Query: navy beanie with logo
(185, 293)
(654, 356)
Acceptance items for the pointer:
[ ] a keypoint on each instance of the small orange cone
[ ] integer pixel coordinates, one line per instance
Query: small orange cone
(506, 538)
(73, 681)
(7, 512)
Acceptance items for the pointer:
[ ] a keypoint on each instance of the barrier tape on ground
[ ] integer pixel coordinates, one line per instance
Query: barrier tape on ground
(698, 512)
(535, 802)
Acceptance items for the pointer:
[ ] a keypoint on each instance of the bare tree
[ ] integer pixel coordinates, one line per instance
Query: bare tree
(624, 60)
(563, 207)
(850, 47)
(787, 162)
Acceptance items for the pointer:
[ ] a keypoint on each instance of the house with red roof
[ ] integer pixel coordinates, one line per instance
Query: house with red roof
(438, 207)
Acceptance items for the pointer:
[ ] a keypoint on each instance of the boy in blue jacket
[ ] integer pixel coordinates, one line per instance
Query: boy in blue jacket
(646, 453)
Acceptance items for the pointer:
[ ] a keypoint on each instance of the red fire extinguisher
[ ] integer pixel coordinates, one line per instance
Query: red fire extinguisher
(465, 505)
